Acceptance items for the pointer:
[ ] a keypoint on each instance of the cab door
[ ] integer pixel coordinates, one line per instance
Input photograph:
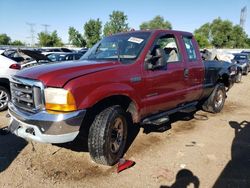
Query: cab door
(165, 86)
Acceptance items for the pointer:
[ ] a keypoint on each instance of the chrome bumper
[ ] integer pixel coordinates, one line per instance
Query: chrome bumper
(45, 127)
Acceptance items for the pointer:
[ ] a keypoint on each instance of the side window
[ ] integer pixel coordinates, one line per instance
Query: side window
(168, 44)
(69, 58)
(190, 48)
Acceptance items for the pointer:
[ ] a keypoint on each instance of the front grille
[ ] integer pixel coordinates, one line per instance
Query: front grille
(27, 94)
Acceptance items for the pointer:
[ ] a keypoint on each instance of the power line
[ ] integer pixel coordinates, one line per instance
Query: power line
(32, 32)
(45, 27)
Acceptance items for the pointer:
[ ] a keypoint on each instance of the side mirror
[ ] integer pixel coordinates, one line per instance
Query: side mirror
(157, 61)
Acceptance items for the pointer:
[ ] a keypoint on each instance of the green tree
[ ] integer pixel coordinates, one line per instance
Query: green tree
(118, 23)
(204, 30)
(4, 39)
(44, 39)
(202, 36)
(239, 37)
(17, 43)
(221, 34)
(202, 40)
(248, 42)
(92, 31)
(75, 38)
(49, 40)
(157, 22)
(57, 41)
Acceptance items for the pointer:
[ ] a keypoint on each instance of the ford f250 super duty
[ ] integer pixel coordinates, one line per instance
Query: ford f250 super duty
(140, 77)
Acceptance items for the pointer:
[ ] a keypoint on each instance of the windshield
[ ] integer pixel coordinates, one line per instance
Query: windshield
(123, 47)
(240, 57)
(56, 57)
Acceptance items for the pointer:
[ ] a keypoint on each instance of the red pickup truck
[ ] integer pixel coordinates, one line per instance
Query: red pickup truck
(140, 77)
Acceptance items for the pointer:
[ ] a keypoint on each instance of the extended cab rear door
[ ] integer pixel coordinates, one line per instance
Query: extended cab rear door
(194, 68)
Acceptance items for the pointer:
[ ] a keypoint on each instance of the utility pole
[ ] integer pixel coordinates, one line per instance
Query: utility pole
(32, 32)
(243, 17)
(46, 28)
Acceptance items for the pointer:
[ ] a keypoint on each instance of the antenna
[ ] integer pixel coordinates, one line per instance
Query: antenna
(243, 16)
(46, 28)
(32, 32)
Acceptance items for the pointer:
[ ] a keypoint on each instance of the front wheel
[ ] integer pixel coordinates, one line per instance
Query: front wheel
(4, 98)
(216, 100)
(108, 135)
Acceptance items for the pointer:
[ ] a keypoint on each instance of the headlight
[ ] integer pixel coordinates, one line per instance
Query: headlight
(58, 99)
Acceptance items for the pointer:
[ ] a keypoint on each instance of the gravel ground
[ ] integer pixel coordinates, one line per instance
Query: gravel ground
(200, 150)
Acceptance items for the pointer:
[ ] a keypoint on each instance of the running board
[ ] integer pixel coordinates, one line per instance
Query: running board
(163, 117)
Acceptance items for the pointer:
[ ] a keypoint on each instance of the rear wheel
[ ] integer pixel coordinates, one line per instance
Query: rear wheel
(216, 100)
(246, 71)
(108, 135)
(4, 98)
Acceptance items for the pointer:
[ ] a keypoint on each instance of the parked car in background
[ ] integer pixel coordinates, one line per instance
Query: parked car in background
(64, 56)
(9, 65)
(246, 52)
(51, 49)
(243, 61)
(50, 57)
(213, 54)
(83, 50)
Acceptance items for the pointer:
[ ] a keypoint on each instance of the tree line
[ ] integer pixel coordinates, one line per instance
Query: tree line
(219, 33)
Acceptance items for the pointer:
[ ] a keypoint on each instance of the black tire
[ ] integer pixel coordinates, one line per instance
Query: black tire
(238, 77)
(216, 100)
(4, 98)
(107, 136)
(246, 72)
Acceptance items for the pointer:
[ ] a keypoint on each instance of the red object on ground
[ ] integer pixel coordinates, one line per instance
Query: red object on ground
(123, 164)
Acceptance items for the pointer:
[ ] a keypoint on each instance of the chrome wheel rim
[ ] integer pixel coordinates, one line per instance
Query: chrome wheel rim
(219, 99)
(3, 98)
(117, 133)
(239, 77)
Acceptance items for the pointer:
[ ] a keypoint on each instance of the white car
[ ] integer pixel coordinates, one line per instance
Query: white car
(8, 67)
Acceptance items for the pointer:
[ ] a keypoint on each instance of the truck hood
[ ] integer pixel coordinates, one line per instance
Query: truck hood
(57, 74)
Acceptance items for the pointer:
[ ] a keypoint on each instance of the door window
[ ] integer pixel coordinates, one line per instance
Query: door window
(190, 48)
(168, 44)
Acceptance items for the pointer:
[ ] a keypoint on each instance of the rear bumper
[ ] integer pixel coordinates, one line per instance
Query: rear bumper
(45, 127)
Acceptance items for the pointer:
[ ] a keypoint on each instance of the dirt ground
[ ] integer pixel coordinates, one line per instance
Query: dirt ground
(200, 150)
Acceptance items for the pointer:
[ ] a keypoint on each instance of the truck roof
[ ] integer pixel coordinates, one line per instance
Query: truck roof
(157, 31)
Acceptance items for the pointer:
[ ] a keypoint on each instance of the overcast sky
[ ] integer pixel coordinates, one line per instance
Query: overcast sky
(61, 14)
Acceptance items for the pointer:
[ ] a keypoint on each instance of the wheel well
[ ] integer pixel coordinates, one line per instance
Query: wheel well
(124, 101)
(5, 83)
(225, 80)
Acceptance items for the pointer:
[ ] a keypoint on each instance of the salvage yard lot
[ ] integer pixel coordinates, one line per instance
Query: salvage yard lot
(213, 148)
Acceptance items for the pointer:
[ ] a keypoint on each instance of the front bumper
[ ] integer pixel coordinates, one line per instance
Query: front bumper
(45, 127)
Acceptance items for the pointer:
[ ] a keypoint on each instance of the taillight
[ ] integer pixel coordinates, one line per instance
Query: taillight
(15, 66)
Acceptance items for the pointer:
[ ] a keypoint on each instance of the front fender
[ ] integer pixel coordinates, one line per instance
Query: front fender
(109, 90)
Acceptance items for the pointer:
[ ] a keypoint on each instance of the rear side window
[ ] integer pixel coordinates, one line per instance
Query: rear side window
(190, 48)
